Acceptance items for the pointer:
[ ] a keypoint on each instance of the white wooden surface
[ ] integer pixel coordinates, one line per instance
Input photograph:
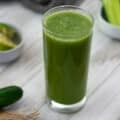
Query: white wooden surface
(104, 75)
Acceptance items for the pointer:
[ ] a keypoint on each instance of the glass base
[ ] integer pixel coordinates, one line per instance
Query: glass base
(67, 108)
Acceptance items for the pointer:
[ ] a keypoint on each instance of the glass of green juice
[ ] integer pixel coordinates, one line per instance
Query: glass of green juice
(67, 33)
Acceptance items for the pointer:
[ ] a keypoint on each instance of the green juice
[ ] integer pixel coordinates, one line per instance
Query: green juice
(67, 39)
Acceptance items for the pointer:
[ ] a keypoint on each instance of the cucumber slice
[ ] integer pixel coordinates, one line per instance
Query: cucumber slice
(7, 30)
(6, 43)
(7, 34)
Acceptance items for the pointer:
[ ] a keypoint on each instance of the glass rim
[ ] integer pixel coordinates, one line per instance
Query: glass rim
(70, 7)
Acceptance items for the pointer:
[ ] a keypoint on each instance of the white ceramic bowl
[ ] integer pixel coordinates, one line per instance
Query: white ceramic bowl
(108, 28)
(12, 54)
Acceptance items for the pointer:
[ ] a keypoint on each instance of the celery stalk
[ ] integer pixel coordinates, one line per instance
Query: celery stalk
(112, 9)
(117, 11)
(115, 8)
(106, 10)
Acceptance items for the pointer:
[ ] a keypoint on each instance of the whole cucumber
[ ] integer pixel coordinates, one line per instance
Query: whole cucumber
(10, 95)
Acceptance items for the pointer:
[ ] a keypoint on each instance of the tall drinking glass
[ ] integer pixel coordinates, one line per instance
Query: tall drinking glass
(67, 33)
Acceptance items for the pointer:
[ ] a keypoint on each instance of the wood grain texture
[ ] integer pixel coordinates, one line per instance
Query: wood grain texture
(28, 72)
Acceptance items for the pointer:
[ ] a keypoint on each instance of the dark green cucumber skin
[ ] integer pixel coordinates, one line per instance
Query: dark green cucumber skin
(10, 95)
